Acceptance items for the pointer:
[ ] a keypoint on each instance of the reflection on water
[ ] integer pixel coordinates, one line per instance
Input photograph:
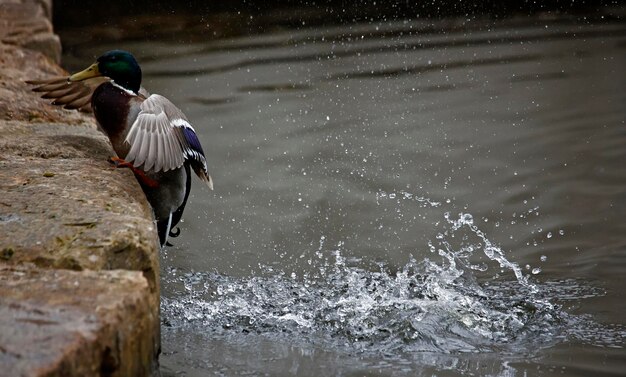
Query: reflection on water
(401, 198)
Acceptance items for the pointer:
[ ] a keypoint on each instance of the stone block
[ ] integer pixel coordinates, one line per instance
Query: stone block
(76, 323)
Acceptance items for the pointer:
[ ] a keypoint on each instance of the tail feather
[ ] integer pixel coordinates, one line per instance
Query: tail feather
(203, 175)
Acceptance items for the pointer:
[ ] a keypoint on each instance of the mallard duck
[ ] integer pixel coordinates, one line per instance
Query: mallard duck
(149, 134)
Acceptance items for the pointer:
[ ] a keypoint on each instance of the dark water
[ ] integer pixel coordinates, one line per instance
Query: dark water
(401, 199)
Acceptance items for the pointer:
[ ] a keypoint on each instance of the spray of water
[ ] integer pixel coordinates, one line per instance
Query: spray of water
(429, 305)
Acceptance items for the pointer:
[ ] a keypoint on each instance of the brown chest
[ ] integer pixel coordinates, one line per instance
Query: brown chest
(112, 107)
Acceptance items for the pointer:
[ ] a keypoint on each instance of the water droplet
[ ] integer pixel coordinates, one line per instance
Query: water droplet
(466, 219)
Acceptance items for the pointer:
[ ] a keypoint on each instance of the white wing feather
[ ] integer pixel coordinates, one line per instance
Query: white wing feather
(153, 141)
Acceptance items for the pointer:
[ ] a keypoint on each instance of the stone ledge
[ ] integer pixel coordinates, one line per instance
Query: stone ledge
(67, 323)
(64, 206)
(79, 256)
(26, 23)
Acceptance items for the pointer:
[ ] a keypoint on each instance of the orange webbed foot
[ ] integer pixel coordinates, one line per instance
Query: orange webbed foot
(140, 174)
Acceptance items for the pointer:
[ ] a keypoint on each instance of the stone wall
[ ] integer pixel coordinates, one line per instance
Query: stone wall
(79, 257)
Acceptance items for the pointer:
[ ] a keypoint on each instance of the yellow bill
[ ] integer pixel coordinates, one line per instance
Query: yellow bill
(88, 73)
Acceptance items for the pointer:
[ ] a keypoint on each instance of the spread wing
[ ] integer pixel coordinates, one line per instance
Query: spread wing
(73, 95)
(70, 95)
(161, 139)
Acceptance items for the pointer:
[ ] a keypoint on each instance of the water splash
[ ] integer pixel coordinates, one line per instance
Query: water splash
(413, 310)
(492, 251)
(432, 305)
(423, 307)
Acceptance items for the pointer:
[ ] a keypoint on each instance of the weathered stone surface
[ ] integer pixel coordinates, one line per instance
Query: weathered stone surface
(79, 255)
(17, 102)
(65, 206)
(26, 23)
(67, 323)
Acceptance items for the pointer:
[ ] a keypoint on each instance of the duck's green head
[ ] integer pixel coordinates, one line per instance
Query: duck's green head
(120, 66)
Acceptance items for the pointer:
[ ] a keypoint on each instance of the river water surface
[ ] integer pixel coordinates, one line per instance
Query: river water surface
(400, 198)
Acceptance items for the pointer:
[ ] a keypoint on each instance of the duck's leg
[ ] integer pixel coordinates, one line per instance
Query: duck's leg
(140, 174)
